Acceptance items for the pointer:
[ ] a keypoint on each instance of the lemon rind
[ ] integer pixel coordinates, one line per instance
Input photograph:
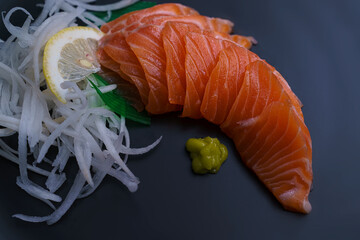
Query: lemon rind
(52, 55)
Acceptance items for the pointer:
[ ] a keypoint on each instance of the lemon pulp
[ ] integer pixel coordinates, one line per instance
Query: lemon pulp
(70, 55)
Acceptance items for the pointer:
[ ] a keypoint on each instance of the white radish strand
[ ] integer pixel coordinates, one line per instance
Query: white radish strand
(15, 159)
(55, 134)
(55, 181)
(97, 21)
(38, 191)
(6, 132)
(111, 148)
(22, 35)
(44, 13)
(113, 6)
(81, 148)
(66, 204)
(83, 128)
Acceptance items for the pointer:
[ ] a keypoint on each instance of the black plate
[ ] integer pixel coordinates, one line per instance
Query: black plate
(315, 45)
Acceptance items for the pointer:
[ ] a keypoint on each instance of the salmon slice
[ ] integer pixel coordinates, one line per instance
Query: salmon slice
(167, 9)
(294, 99)
(225, 82)
(118, 49)
(222, 26)
(244, 41)
(109, 63)
(286, 168)
(221, 89)
(115, 48)
(173, 36)
(261, 86)
(271, 138)
(146, 44)
(152, 57)
(201, 57)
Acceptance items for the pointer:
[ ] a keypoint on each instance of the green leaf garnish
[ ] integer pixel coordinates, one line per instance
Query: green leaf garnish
(117, 13)
(117, 103)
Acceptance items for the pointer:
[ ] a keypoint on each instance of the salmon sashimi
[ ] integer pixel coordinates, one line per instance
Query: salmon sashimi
(109, 63)
(244, 41)
(173, 36)
(294, 99)
(146, 43)
(172, 9)
(253, 97)
(118, 49)
(212, 24)
(178, 59)
(152, 56)
(201, 57)
(115, 47)
(271, 138)
(283, 162)
(225, 82)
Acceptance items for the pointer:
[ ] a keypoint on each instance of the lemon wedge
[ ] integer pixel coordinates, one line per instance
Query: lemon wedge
(70, 55)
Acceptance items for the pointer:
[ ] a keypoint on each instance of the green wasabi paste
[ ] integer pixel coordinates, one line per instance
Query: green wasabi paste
(207, 154)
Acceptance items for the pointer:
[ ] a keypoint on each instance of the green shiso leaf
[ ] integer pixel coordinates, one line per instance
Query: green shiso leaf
(116, 103)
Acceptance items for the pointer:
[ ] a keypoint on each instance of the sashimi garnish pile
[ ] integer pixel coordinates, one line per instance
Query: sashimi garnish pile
(166, 58)
(83, 127)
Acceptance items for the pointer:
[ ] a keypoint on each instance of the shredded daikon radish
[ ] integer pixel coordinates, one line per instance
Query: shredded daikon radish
(44, 13)
(117, 5)
(23, 36)
(83, 128)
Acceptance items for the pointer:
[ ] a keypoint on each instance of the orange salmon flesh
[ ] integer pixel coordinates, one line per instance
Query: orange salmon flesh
(179, 60)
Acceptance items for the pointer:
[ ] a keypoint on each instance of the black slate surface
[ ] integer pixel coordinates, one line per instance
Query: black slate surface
(315, 45)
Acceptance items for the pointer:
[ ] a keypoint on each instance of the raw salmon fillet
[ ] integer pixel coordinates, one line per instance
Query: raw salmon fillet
(201, 57)
(119, 51)
(222, 26)
(128, 19)
(178, 59)
(271, 138)
(109, 63)
(173, 36)
(244, 41)
(147, 44)
(225, 82)
(113, 48)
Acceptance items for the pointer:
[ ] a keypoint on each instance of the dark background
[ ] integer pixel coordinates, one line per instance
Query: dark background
(315, 45)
